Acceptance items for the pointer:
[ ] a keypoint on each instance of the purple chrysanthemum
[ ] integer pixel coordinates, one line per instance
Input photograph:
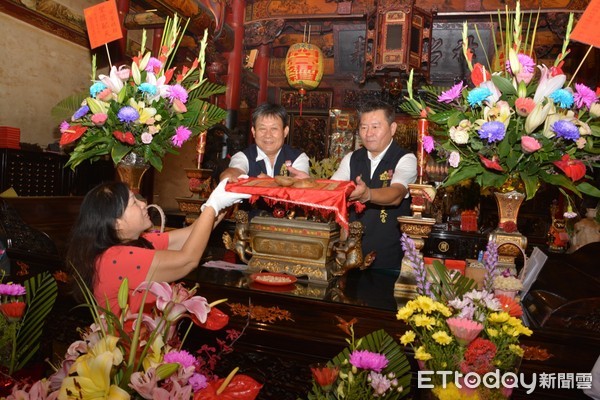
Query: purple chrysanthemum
(177, 92)
(12, 289)
(584, 96)
(96, 88)
(198, 381)
(182, 134)
(128, 114)
(565, 129)
(563, 97)
(428, 143)
(368, 360)
(527, 63)
(153, 64)
(452, 94)
(493, 131)
(147, 88)
(64, 126)
(478, 95)
(81, 112)
(184, 358)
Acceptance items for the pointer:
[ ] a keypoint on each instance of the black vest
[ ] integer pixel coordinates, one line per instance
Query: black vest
(255, 168)
(381, 237)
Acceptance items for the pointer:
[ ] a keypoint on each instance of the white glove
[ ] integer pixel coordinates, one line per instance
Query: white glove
(221, 199)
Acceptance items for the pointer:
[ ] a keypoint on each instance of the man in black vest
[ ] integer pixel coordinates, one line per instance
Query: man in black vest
(269, 156)
(382, 171)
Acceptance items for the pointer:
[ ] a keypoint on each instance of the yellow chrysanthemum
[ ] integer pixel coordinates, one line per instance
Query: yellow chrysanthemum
(442, 338)
(492, 332)
(404, 313)
(498, 318)
(408, 337)
(425, 304)
(515, 348)
(443, 309)
(451, 392)
(421, 354)
(424, 321)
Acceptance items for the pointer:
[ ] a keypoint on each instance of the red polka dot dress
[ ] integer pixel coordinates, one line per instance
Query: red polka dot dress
(133, 263)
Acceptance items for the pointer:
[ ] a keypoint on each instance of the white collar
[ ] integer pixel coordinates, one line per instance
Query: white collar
(260, 155)
(380, 155)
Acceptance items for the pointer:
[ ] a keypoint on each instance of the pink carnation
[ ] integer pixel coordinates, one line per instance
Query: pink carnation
(12, 289)
(99, 119)
(529, 144)
(524, 106)
(181, 135)
(368, 360)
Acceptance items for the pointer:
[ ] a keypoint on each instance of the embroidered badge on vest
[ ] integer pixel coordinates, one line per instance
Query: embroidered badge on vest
(385, 177)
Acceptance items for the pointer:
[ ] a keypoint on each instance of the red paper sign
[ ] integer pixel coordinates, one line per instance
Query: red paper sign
(102, 22)
(587, 29)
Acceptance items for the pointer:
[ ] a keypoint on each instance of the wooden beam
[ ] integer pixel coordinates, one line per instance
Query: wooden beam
(143, 20)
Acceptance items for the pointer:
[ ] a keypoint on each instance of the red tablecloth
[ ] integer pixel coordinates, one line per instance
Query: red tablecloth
(327, 196)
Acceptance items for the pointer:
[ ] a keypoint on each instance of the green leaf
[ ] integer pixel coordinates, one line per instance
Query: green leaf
(65, 108)
(40, 298)
(119, 150)
(588, 189)
(504, 85)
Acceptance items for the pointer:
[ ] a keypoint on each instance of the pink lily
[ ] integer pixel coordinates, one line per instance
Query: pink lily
(113, 81)
(144, 383)
(177, 300)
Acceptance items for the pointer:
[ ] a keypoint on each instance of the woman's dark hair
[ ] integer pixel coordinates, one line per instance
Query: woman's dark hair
(94, 231)
(270, 110)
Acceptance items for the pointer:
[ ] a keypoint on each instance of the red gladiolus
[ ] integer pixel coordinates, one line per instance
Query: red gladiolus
(14, 310)
(479, 74)
(325, 376)
(72, 134)
(491, 164)
(574, 169)
(215, 320)
(124, 137)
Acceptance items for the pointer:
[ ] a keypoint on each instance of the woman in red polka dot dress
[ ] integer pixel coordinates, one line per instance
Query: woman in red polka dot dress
(109, 242)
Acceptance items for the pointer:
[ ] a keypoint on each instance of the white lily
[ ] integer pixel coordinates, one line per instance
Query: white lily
(547, 84)
(537, 116)
(113, 82)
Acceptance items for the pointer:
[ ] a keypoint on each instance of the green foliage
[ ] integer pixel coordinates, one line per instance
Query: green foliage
(323, 169)
(447, 284)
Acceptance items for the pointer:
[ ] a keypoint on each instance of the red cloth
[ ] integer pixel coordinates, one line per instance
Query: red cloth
(327, 196)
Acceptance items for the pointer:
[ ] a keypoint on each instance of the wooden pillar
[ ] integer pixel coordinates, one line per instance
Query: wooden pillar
(235, 19)
(261, 69)
(156, 38)
(123, 10)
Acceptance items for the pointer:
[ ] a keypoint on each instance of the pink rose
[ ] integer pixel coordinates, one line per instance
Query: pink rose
(99, 119)
(529, 144)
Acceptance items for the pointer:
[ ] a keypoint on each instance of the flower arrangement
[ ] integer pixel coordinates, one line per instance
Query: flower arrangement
(146, 108)
(515, 124)
(140, 356)
(23, 309)
(461, 330)
(373, 366)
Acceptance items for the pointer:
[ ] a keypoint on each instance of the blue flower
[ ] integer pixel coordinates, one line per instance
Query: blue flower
(147, 88)
(493, 131)
(563, 97)
(128, 114)
(478, 95)
(97, 88)
(565, 129)
(81, 112)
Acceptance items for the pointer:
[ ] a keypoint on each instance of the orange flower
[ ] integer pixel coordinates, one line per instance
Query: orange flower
(574, 169)
(510, 306)
(72, 134)
(324, 375)
(479, 74)
(13, 311)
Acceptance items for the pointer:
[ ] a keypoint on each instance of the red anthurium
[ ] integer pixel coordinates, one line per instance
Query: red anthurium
(491, 164)
(479, 74)
(72, 134)
(241, 387)
(13, 310)
(215, 320)
(574, 169)
(124, 137)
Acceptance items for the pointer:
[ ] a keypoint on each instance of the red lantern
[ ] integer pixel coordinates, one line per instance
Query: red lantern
(304, 67)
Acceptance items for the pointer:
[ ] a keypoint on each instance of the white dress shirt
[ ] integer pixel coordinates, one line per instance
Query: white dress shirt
(240, 161)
